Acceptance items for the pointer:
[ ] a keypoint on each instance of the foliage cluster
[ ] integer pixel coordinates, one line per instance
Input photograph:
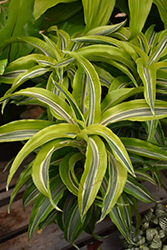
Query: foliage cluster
(102, 85)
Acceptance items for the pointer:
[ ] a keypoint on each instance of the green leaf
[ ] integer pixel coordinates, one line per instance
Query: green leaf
(30, 194)
(22, 129)
(28, 74)
(40, 169)
(117, 96)
(160, 48)
(94, 170)
(105, 30)
(35, 42)
(76, 111)
(117, 180)
(59, 108)
(19, 14)
(136, 110)
(144, 148)
(42, 207)
(140, 174)
(162, 8)
(115, 144)
(137, 190)
(80, 88)
(148, 76)
(73, 223)
(117, 216)
(3, 64)
(151, 128)
(94, 88)
(45, 135)
(109, 53)
(97, 14)
(22, 180)
(41, 6)
(51, 218)
(65, 174)
(139, 10)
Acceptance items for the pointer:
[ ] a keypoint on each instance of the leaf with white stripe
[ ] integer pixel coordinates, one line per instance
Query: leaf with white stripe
(94, 112)
(30, 194)
(104, 76)
(25, 76)
(65, 174)
(106, 30)
(117, 216)
(151, 127)
(117, 96)
(33, 41)
(73, 225)
(59, 108)
(51, 218)
(148, 76)
(136, 110)
(42, 206)
(22, 129)
(160, 49)
(117, 180)
(132, 187)
(115, 144)
(94, 171)
(24, 177)
(144, 148)
(76, 111)
(141, 175)
(102, 52)
(43, 136)
(40, 169)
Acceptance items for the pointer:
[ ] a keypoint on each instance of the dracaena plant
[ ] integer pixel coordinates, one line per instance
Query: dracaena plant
(101, 126)
(89, 144)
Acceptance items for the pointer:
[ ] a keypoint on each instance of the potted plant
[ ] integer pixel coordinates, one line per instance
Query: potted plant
(100, 132)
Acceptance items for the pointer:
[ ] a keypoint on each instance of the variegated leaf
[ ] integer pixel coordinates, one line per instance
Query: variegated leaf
(136, 110)
(30, 194)
(117, 180)
(22, 180)
(22, 129)
(117, 96)
(144, 148)
(40, 169)
(115, 144)
(94, 170)
(65, 174)
(94, 111)
(76, 111)
(117, 216)
(148, 76)
(137, 190)
(106, 30)
(60, 109)
(43, 136)
(42, 206)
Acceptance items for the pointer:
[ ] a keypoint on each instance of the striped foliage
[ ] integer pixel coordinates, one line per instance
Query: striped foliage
(101, 123)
